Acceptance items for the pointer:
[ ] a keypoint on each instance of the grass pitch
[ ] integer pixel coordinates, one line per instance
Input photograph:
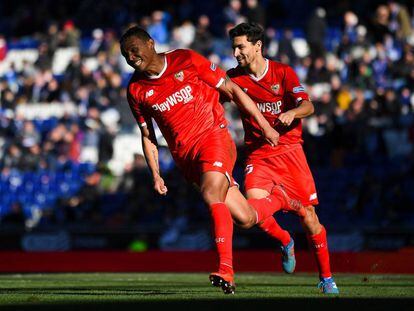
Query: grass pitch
(102, 291)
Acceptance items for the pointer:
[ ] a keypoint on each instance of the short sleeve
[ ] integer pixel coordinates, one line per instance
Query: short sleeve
(209, 72)
(135, 108)
(293, 86)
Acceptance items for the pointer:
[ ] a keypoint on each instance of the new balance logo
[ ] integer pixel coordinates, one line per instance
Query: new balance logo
(149, 93)
(248, 169)
(313, 196)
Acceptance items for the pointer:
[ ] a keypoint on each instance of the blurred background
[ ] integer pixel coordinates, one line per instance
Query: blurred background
(72, 172)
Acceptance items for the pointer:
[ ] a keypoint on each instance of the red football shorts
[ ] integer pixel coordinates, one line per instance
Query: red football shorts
(214, 152)
(289, 169)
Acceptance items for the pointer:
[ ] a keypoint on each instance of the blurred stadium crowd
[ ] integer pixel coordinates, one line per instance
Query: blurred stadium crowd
(70, 150)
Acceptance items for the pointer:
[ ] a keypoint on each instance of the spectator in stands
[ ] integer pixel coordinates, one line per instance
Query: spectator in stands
(203, 39)
(350, 26)
(255, 12)
(183, 35)
(158, 27)
(400, 23)
(286, 52)
(316, 29)
(232, 12)
(97, 44)
(380, 26)
(70, 35)
(12, 158)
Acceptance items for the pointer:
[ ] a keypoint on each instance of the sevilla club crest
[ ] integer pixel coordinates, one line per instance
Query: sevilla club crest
(275, 88)
(179, 76)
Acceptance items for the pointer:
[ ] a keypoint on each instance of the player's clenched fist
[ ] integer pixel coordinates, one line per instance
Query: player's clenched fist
(271, 135)
(160, 186)
(287, 117)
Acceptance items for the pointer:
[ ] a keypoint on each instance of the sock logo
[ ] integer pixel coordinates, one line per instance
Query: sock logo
(219, 240)
(321, 245)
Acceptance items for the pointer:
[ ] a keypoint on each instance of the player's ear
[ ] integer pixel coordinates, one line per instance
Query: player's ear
(151, 44)
(259, 44)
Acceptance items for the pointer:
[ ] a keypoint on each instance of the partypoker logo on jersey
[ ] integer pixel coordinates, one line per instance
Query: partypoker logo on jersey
(182, 96)
(179, 76)
(275, 88)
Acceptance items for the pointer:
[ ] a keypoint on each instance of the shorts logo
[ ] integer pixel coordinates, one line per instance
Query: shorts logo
(248, 169)
(313, 196)
(217, 163)
(213, 66)
(275, 88)
(179, 76)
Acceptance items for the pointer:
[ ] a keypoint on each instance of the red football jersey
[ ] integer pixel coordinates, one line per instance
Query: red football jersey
(182, 99)
(276, 91)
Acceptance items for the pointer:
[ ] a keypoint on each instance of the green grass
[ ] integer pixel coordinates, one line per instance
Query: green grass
(126, 290)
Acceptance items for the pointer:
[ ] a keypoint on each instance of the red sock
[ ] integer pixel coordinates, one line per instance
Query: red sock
(319, 245)
(267, 206)
(223, 235)
(272, 228)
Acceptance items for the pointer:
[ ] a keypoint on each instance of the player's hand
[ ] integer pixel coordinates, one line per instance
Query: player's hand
(286, 118)
(271, 135)
(159, 185)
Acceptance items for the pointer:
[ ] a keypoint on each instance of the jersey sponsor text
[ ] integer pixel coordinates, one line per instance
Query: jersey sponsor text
(183, 95)
(273, 108)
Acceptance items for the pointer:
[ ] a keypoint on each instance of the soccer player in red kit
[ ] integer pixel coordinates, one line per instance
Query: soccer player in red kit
(282, 100)
(180, 91)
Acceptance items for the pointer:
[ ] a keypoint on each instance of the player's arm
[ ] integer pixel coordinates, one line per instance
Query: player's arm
(297, 93)
(304, 109)
(150, 148)
(149, 142)
(233, 92)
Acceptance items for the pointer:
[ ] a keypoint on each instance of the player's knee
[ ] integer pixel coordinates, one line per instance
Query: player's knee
(249, 221)
(212, 194)
(311, 219)
(246, 223)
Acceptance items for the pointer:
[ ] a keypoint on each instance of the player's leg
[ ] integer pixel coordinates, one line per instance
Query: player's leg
(298, 181)
(272, 228)
(317, 238)
(213, 188)
(244, 216)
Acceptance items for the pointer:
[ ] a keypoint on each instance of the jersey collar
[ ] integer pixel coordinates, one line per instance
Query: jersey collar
(162, 71)
(263, 74)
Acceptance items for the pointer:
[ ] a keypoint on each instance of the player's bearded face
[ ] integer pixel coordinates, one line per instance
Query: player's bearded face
(244, 51)
(138, 53)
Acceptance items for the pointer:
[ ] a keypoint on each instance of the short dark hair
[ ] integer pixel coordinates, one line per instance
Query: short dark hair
(135, 31)
(253, 31)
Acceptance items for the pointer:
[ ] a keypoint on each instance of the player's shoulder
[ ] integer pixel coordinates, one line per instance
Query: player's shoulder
(180, 58)
(278, 66)
(135, 83)
(180, 53)
(235, 72)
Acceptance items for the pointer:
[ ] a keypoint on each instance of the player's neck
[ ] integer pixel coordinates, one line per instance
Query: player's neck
(258, 67)
(156, 66)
